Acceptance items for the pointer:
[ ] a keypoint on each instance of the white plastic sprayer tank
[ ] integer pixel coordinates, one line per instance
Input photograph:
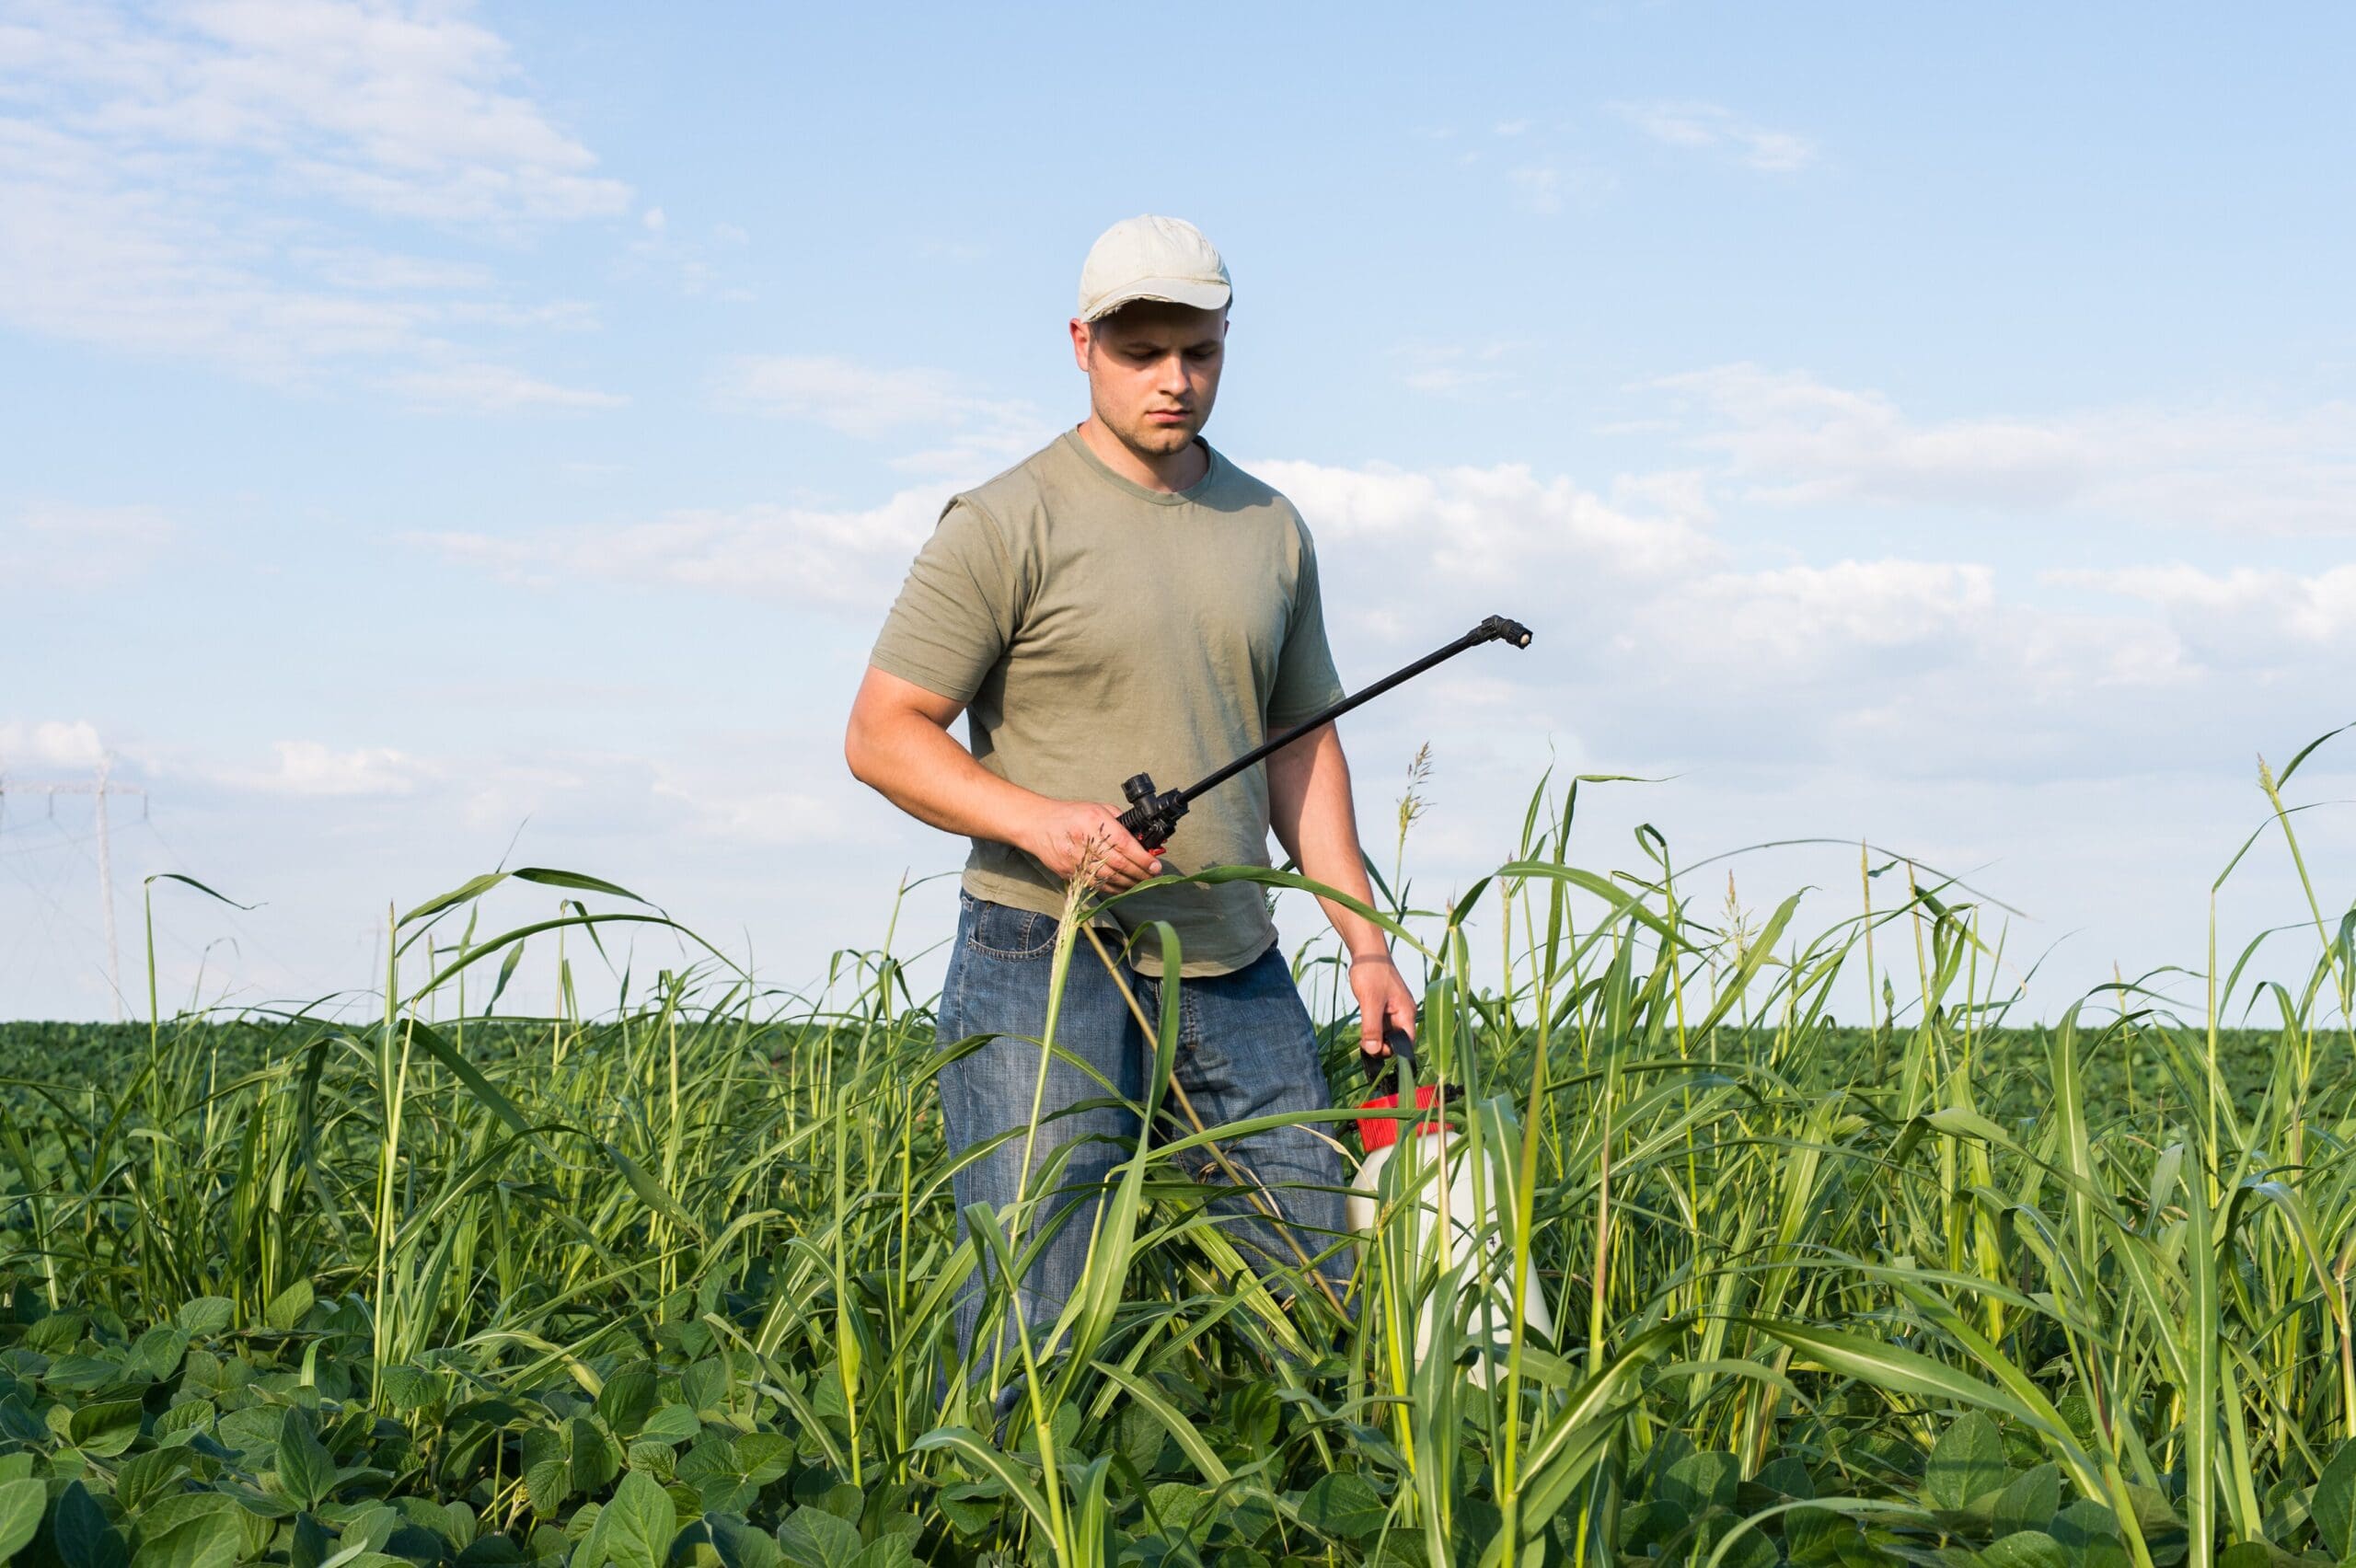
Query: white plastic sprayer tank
(1457, 1224)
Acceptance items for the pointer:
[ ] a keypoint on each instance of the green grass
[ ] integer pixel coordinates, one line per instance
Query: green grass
(670, 1285)
(2124, 1073)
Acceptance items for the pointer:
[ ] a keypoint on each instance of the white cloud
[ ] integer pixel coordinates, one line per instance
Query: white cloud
(2242, 616)
(491, 389)
(49, 743)
(1536, 189)
(400, 108)
(372, 271)
(1451, 369)
(867, 402)
(851, 560)
(158, 167)
(82, 547)
(765, 819)
(1488, 526)
(1713, 127)
(1795, 617)
(1660, 647)
(1802, 441)
(313, 769)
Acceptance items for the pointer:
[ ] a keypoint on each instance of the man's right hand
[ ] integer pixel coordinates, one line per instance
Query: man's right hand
(1067, 837)
(898, 742)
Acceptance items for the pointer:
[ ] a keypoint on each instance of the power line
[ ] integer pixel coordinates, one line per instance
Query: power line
(99, 788)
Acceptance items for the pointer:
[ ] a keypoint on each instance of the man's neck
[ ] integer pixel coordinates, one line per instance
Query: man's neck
(1166, 472)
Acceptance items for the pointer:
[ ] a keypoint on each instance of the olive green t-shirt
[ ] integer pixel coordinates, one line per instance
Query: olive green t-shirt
(1095, 630)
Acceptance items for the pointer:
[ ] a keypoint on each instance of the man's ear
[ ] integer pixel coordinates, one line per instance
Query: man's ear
(1081, 337)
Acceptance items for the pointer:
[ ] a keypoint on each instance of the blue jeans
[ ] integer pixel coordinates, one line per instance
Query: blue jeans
(1246, 1049)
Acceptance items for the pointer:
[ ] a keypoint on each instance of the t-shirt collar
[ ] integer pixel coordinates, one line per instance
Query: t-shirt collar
(1159, 498)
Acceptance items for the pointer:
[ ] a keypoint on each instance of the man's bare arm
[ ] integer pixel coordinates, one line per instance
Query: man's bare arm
(899, 743)
(1311, 807)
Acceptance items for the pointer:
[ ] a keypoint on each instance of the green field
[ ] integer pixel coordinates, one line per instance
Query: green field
(670, 1285)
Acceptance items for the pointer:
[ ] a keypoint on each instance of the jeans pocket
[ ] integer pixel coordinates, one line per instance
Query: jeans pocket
(1003, 931)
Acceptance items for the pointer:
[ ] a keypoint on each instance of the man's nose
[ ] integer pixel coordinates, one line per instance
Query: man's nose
(1172, 374)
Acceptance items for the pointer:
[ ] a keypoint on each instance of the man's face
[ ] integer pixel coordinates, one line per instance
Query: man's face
(1152, 371)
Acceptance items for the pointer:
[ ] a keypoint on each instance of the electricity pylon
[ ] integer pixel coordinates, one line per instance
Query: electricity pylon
(99, 788)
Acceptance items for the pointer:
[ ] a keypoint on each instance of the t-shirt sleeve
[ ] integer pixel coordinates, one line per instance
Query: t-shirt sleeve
(1306, 680)
(957, 612)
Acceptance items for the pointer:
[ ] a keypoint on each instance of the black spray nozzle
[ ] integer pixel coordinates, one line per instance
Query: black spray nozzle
(1496, 628)
(1151, 815)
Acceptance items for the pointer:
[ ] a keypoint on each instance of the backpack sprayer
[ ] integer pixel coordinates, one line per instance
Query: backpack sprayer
(1452, 1219)
(1455, 1216)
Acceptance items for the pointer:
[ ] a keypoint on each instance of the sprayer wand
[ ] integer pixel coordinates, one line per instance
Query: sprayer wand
(1153, 815)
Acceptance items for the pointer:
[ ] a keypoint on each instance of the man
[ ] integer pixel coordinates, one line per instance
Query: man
(1126, 601)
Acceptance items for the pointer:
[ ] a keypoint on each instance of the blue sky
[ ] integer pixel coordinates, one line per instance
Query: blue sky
(425, 428)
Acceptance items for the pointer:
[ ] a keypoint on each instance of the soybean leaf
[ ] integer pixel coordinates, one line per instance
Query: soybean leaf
(209, 1540)
(158, 1352)
(741, 1545)
(890, 1551)
(105, 1429)
(596, 1459)
(22, 1503)
(289, 1306)
(2029, 1549)
(763, 1457)
(311, 1545)
(1968, 1461)
(970, 1505)
(305, 1470)
(1177, 1505)
(1699, 1482)
(206, 1315)
(2335, 1501)
(672, 1424)
(627, 1400)
(637, 1526)
(406, 1388)
(1344, 1506)
(548, 1470)
(2031, 1501)
(811, 1538)
(83, 1535)
(2089, 1532)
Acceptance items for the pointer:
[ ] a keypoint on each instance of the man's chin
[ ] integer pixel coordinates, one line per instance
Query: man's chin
(1162, 440)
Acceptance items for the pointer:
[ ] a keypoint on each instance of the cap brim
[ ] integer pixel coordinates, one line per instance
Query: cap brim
(1198, 292)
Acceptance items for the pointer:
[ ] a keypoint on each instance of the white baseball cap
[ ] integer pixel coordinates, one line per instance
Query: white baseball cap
(1150, 258)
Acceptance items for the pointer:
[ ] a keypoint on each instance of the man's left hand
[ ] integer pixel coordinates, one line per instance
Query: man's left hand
(1384, 1001)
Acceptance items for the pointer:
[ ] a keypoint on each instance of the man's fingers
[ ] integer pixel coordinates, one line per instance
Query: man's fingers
(1112, 847)
(1132, 853)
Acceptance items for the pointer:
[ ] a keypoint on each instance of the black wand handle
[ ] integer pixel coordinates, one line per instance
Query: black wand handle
(1153, 814)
